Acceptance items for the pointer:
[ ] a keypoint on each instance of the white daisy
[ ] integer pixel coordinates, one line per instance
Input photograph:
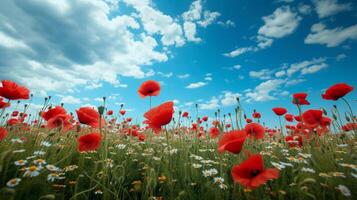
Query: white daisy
(32, 171)
(344, 190)
(13, 182)
(20, 162)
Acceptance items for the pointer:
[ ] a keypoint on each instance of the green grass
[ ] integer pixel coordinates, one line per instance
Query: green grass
(163, 167)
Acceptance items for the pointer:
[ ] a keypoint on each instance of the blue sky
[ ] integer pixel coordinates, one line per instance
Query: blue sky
(205, 52)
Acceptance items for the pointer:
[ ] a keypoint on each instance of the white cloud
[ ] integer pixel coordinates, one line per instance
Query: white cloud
(208, 18)
(264, 42)
(330, 37)
(167, 75)
(65, 52)
(227, 24)
(229, 98)
(292, 82)
(280, 74)
(70, 100)
(156, 22)
(340, 56)
(313, 69)
(190, 32)
(196, 85)
(210, 105)
(263, 91)
(281, 23)
(304, 9)
(208, 78)
(325, 8)
(261, 74)
(237, 66)
(183, 76)
(296, 67)
(240, 51)
(194, 12)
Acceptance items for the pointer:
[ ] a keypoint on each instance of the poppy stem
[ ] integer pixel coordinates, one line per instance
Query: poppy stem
(150, 102)
(281, 127)
(349, 107)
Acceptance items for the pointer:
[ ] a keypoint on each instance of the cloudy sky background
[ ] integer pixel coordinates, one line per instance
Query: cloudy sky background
(206, 52)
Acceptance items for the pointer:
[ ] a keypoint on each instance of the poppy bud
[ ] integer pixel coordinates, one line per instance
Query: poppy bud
(237, 99)
(347, 118)
(101, 110)
(335, 106)
(121, 105)
(325, 112)
(49, 97)
(62, 104)
(334, 116)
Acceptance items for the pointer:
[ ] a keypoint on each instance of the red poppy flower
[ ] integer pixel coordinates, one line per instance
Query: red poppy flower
(300, 99)
(214, 132)
(255, 130)
(15, 113)
(325, 121)
(13, 121)
(149, 88)
(159, 116)
(53, 112)
(13, 91)
(89, 142)
(279, 111)
(205, 118)
(251, 172)
(349, 127)
(3, 133)
(215, 123)
(60, 121)
(297, 118)
(128, 119)
(289, 117)
(337, 91)
(122, 112)
(3, 104)
(88, 116)
(256, 115)
(312, 117)
(109, 112)
(228, 125)
(294, 140)
(248, 120)
(232, 141)
(142, 137)
(185, 114)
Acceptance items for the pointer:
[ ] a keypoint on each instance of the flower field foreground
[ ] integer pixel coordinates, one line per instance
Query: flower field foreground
(99, 153)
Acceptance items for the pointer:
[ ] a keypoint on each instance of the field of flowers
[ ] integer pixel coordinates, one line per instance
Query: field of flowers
(99, 153)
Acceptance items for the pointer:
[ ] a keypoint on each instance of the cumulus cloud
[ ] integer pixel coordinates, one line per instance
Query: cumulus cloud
(183, 76)
(330, 37)
(48, 45)
(263, 92)
(325, 8)
(229, 98)
(190, 31)
(240, 51)
(304, 65)
(281, 23)
(261, 74)
(70, 100)
(196, 85)
(210, 105)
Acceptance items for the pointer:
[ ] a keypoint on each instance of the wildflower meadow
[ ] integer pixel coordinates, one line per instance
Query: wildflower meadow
(99, 153)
